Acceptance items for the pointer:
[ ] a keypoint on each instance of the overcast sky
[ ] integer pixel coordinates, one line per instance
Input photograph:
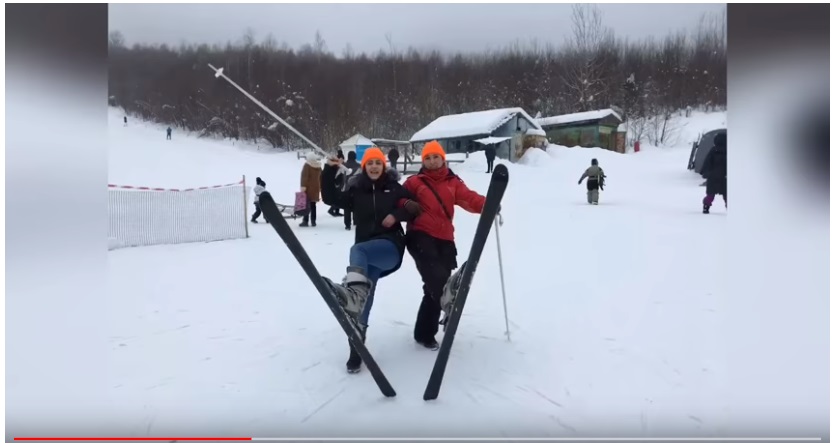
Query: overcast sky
(454, 27)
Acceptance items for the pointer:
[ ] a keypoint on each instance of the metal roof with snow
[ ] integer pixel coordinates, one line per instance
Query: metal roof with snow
(469, 124)
(492, 140)
(356, 140)
(577, 117)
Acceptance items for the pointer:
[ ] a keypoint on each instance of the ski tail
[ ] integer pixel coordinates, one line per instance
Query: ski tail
(271, 211)
(459, 287)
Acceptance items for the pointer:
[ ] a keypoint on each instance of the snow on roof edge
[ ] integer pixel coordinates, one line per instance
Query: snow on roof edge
(469, 124)
(577, 117)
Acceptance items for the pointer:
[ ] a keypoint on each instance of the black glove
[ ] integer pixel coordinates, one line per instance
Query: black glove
(413, 208)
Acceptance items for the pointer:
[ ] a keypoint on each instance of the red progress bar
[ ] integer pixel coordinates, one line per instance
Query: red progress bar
(133, 438)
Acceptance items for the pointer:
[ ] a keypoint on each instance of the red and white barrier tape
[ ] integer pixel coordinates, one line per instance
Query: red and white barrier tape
(148, 188)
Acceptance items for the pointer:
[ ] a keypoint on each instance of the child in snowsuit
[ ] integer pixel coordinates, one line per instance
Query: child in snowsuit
(595, 181)
(373, 198)
(260, 186)
(715, 168)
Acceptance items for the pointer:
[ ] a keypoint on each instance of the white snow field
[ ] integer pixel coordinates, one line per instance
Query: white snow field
(617, 311)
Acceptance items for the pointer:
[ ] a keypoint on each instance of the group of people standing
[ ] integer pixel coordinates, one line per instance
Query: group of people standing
(379, 204)
(376, 204)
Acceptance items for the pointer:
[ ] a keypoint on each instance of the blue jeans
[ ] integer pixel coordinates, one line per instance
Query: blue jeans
(375, 257)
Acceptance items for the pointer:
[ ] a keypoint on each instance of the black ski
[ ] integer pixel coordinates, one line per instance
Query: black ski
(271, 211)
(497, 187)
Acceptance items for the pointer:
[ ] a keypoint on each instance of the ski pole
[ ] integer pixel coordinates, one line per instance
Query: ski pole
(219, 73)
(498, 223)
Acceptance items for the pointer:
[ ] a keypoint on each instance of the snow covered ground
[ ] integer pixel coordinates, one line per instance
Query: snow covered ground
(617, 311)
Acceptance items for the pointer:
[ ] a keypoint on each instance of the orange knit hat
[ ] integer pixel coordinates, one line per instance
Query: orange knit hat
(371, 154)
(431, 148)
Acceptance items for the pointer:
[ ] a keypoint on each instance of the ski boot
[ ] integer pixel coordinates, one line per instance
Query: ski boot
(352, 294)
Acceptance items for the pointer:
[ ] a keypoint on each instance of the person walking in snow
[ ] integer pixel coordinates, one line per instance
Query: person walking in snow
(379, 204)
(260, 186)
(595, 181)
(311, 185)
(715, 169)
(393, 156)
(491, 153)
(169, 132)
(350, 168)
(329, 186)
(430, 236)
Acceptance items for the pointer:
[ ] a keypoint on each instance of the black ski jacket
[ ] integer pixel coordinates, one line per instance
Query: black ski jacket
(370, 202)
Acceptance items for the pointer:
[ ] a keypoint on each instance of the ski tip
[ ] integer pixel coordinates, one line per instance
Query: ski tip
(500, 173)
(429, 396)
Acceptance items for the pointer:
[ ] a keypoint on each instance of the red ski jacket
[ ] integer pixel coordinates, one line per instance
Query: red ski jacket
(437, 214)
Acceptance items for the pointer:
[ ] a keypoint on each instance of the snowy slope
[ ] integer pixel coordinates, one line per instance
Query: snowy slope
(616, 311)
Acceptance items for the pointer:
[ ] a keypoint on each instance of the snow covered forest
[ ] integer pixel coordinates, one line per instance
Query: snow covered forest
(329, 94)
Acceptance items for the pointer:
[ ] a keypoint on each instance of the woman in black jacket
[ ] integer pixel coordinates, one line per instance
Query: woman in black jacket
(373, 197)
(329, 185)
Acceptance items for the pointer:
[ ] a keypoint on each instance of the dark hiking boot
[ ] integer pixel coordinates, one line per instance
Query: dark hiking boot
(304, 224)
(354, 362)
(430, 343)
(706, 209)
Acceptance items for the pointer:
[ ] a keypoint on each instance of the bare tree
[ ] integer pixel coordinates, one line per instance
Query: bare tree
(583, 77)
(116, 39)
(397, 91)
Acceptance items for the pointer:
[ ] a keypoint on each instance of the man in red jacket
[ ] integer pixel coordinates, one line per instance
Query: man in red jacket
(430, 237)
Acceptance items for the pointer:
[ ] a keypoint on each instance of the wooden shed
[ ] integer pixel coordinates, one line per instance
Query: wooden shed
(586, 129)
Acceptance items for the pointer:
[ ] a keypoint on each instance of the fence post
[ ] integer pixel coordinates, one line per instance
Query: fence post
(245, 207)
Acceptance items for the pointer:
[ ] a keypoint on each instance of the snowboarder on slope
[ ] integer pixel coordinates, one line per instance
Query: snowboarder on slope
(374, 198)
(260, 186)
(430, 236)
(715, 169)
(595, 181)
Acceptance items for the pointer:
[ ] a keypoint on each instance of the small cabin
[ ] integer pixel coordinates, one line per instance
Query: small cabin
(586, 129)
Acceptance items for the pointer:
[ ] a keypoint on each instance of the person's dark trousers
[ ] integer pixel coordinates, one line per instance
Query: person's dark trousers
(310, 217)
(490, 164)
(348, 218)
(257, 213)
(393, 163)
(435, 260)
